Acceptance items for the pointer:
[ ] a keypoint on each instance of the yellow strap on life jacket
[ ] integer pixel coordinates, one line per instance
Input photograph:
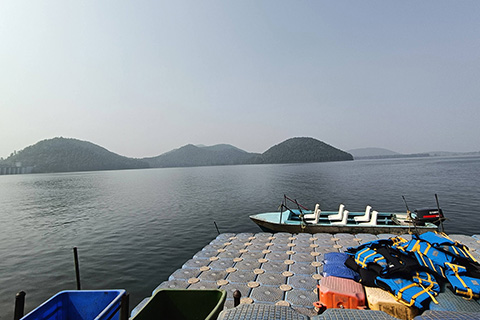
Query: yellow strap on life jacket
(443, 273)
(427, 290)
(469, 293)
(362, 262)
(465, 252)
(430, 280)
(431, 263)
(430, 283)
(379, 259)
(427, 248)
(470, 255)
(398, 240)
(416, 246)
(399, 295)
(455, 267)
(462, 250)
(425, 254)
(443, 234)
(427, 262)
(457, 244)
(422, 257)
(455, 249)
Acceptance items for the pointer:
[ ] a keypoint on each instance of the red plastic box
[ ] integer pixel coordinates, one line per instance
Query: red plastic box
(334, 292)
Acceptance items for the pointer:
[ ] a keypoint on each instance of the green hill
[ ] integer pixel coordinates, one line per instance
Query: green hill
(192, 156)
(296, 150)
(67, 155)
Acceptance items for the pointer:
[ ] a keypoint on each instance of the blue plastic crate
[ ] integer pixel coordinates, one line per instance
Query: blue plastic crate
(335, 258)
(334, 265)
(80, 305)
(340, 271)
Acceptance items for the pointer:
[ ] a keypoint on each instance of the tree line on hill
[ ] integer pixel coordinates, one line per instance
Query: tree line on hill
(69, 155)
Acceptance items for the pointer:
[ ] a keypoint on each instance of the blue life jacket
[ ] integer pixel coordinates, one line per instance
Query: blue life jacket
(418, 291)
(446, 258)
(443, 242)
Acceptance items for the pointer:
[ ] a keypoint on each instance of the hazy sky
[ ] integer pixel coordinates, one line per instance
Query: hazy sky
(143, 77)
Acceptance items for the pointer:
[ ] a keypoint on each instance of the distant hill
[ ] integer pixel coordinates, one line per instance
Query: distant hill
(372, 152)
(297, 150)
(223, 147)
(192, 156)
(66, 155)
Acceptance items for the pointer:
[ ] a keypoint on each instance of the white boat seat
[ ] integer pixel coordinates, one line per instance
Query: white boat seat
(317, 213)
(339, 215)
(373, 220)
(312, 216)
(365, 217)
(343, 221)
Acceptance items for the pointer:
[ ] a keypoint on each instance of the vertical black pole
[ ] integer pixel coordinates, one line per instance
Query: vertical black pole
(216, 227)
(125, 305)
(237, 295)
(19, 305)
(77, 269)
(440, 214)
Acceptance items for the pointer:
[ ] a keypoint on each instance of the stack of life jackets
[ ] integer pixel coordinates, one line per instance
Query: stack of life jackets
(447, 259)
(381, 264)
(409, 269)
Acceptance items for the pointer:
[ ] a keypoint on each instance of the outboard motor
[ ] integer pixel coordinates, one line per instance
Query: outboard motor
(420, 216)
(433, 215)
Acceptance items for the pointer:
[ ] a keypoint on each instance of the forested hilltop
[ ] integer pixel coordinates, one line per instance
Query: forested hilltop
(194, 156)
(296, 150)
(67, 155)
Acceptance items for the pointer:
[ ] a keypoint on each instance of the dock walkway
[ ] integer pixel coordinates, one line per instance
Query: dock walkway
(280, 269)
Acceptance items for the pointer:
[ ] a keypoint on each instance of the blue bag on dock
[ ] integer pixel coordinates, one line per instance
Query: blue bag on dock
(334, 265)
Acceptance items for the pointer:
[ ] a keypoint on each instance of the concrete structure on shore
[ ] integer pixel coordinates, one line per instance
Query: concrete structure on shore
(15, 169)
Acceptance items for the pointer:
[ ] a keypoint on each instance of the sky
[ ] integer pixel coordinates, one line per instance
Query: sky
(141, 78)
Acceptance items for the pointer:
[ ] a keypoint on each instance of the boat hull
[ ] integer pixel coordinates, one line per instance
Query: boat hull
(269, 226)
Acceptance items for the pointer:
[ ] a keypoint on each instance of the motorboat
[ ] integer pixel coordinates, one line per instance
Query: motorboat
(301, 219)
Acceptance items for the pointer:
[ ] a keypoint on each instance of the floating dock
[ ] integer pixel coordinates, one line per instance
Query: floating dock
(279, 269)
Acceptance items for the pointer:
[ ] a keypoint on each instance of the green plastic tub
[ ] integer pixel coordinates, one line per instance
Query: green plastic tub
(183, 304)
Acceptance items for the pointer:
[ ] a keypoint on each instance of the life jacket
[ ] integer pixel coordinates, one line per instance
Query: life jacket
(443, 242)
(381, 257)
(417, 291)
(461, 282)
(446, 258)
(381, 264)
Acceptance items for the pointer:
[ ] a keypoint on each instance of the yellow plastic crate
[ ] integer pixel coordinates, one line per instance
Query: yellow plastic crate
(379, 299)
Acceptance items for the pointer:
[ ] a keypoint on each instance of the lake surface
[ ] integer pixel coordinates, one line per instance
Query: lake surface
(134, 228)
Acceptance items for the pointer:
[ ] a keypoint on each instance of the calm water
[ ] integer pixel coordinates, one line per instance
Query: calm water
(134, 228)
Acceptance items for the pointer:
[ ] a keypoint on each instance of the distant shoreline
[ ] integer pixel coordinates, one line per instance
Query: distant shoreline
(419, 155)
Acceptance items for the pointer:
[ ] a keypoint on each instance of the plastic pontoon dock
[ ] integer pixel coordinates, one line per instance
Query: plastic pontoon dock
(280, 269)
